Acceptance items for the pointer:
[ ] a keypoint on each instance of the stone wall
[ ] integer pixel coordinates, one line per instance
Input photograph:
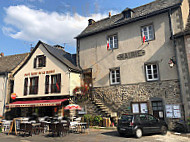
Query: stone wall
(121, 96)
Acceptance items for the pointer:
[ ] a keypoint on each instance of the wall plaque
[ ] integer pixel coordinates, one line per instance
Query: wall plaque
(130, 55)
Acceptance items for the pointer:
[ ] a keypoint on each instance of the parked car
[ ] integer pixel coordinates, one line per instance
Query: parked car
(139, 124)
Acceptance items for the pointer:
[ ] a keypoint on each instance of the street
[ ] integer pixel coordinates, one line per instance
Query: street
(94, 135)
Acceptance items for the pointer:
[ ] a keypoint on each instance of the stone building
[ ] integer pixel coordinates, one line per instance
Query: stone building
(130, 60)
(8, 66)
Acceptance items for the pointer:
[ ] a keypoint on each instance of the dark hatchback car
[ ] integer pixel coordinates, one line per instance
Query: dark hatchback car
(139, 124)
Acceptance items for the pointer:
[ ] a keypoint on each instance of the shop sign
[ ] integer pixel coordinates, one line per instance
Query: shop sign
(39, 73)
(130, 55)
(13, 96)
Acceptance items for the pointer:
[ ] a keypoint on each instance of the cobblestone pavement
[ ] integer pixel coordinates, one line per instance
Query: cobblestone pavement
(94, 135)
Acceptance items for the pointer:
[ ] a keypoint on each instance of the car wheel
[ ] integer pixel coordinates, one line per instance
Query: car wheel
(138, 133)
(164, 130)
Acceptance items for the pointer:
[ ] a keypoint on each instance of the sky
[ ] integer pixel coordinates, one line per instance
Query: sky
(24, 22)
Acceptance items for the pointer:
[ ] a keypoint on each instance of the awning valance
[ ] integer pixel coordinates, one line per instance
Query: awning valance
(36, 103)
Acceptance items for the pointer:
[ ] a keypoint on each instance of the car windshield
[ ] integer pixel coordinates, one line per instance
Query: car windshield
(127, 117)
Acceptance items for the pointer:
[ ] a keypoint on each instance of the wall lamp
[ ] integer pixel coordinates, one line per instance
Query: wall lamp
(172, 62)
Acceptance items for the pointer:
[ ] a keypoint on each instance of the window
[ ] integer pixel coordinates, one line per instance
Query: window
(139, 107)
(56, 83)
(114, 76)
(40, 61)
(25, 86)
(152, 72)
(112, 42)
(34, 85)
(148, 32)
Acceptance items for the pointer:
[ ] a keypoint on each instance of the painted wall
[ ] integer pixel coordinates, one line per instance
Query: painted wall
(185, 12)
(2, 92)
(75, 81)
(51, 64)
(93, 52)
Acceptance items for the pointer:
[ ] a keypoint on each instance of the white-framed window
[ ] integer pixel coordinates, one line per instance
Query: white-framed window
(152, 73)
(114, 76)
(148, 32)
(112, 42)
(139, 107)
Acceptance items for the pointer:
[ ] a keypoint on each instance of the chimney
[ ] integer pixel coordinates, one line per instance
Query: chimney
(59, 47)
(2, 54)
(90, 22)
(109, 14)
(31, 48)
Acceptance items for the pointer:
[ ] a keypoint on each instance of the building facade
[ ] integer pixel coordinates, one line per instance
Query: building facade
(45, 82)
(131, 59)
(8, 65)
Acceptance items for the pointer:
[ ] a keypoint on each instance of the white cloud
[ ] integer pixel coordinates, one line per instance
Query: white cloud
(30, 24)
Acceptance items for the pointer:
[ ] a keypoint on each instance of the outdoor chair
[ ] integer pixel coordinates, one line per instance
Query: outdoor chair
(52, 128)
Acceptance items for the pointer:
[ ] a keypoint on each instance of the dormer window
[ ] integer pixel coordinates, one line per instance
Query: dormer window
(127, 13)
(40, 61)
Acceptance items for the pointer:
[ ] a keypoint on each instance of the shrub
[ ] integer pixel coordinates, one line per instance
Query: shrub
(188, 121)
(92, 120)
(97, 120)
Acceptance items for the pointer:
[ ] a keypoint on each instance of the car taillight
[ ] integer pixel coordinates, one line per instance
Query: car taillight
(131, 123)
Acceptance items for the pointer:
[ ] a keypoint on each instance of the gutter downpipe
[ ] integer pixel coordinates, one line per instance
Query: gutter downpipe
(6, 75)
(175, 52)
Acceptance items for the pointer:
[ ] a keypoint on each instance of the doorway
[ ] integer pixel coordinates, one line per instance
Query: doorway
(158, 109)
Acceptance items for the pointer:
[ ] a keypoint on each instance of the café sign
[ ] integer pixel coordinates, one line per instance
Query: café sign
(39, 73)
(129, 55)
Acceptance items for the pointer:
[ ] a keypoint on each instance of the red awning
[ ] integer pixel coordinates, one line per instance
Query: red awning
(36, 103)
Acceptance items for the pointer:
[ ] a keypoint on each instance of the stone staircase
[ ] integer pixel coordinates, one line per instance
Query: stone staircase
(104, 109)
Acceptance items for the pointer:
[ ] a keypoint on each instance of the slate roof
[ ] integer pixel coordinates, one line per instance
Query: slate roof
(144, 11)
(9, 63)
(68, 59)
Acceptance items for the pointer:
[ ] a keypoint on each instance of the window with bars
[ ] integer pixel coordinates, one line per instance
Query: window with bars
(34, 85)
(40, 61)
(152, 73)
(113, 42)
(148, 32)
(115, 76)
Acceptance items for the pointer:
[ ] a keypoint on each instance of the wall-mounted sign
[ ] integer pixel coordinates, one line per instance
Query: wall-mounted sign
(173, 111)
(130, 55)
(40, 72)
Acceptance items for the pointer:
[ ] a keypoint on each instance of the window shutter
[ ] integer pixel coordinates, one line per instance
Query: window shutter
(36, 85)
(59, 82)
(25, 86)
(52, 84)
(44, 61)
(35, 61)
(47, 84)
